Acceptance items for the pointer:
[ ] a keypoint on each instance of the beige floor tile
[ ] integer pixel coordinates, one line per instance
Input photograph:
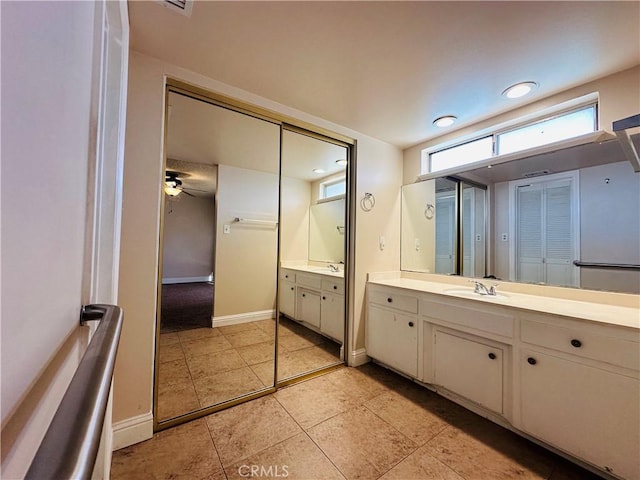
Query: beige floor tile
(169, 338)
(482, 450)
(246, 429)
(411, 417)
(202, 346)
(296, 458)
(314, 401)
(268, 326)
(238, 327)
(291, 342)
(176, 400)
(175, 373)
(264, 371)
(359, 386)
(214, 363)
(257, 353)
(197, 333)
(170, 353)
(421, 465)
(185, 451)
(248, 337)
(360, 444)
(225, 386)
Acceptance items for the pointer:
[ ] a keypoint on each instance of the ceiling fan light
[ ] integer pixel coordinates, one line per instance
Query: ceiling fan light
(172, 191)
(519, 89)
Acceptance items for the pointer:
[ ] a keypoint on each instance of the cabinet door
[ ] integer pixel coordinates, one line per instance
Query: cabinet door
(469, 368)
(591, 413)
(332, 316)
(288, 299)
(392, 338)
(308, 306)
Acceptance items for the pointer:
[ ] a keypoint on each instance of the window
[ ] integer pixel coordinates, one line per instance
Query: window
(470, 152)
(333, 188)
(554, 129)
(540, 132)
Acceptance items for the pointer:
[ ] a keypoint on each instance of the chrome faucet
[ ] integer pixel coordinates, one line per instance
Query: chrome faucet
(334, 268)
(482, 289)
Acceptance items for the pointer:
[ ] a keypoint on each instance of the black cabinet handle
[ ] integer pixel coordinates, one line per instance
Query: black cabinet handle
(292, 288)
(286, 276)
(324, 298)
(303, 295)
(492, 356)
(389, 299)
(531, 361)
(576, 343)
(335, 287)
(411, 324)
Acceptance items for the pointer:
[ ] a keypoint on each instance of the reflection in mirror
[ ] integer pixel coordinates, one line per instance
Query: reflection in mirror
(312, 246)
(219, 257)
(326, 231)
(435, 227)
(566, 218)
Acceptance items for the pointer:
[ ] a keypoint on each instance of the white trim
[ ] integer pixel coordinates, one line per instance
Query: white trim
(172, 280)
(358, 357)
(235, 319)
(574, 176)
(132, 430)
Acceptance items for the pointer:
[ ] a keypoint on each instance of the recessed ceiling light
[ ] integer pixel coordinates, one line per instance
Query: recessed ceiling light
(342, 162)
(318, 170)
(445, 121)
(519, 89)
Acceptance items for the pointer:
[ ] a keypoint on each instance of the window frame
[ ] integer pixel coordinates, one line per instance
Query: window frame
(322, 197)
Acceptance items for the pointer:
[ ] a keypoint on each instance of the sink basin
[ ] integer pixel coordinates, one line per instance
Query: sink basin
(469, 293)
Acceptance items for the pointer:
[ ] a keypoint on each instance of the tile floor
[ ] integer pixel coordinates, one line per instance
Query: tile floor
(206, 366)
(364, 423)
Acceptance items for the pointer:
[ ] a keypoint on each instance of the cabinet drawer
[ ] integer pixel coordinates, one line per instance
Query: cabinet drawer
(312, 281)
(587, 344)
(288, 275)
(406, 303)
(333, 286)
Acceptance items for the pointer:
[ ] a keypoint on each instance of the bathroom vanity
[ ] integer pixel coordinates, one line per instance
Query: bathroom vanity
(559, 366)
(314, 296)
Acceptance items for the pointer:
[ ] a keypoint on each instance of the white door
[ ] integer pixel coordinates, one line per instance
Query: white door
(445, 233)
(546, 218)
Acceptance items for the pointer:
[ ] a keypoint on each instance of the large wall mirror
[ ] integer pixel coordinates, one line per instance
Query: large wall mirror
(312, 253)
(566, 218)
(219, 257)
(244, 195)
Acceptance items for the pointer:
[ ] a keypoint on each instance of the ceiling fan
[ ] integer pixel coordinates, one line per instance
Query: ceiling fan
(173, 185)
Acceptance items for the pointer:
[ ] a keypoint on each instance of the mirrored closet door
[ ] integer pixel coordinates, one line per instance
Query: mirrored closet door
(219, 238)
(312, 253)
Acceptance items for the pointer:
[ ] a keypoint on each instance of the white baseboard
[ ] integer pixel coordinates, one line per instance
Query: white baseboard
(225, 320)
(171, 280)
(132, 430)
(358, 358)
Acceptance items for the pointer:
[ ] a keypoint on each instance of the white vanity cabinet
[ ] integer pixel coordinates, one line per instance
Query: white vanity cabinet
(580, 392)
(392, 330)
(469, 367)
(315, 299)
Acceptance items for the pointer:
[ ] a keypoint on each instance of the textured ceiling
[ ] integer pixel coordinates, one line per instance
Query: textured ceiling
(388, 69)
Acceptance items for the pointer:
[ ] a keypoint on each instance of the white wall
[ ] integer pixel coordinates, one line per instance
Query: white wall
(188, 242)
(247, 256)
(379, 172)
(47, 64)
(416, 227)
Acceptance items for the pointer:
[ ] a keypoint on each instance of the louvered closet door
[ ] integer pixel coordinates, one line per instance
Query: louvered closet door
(544, 250)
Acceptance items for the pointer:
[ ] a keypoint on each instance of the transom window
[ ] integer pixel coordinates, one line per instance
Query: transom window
(333, 188)
(533, 134)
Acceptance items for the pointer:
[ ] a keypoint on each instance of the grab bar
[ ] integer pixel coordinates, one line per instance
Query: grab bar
(70, 446)
(252, 221)
(623, 266)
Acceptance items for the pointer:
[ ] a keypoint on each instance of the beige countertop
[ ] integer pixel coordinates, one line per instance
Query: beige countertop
(318, 270)
(625, 316)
